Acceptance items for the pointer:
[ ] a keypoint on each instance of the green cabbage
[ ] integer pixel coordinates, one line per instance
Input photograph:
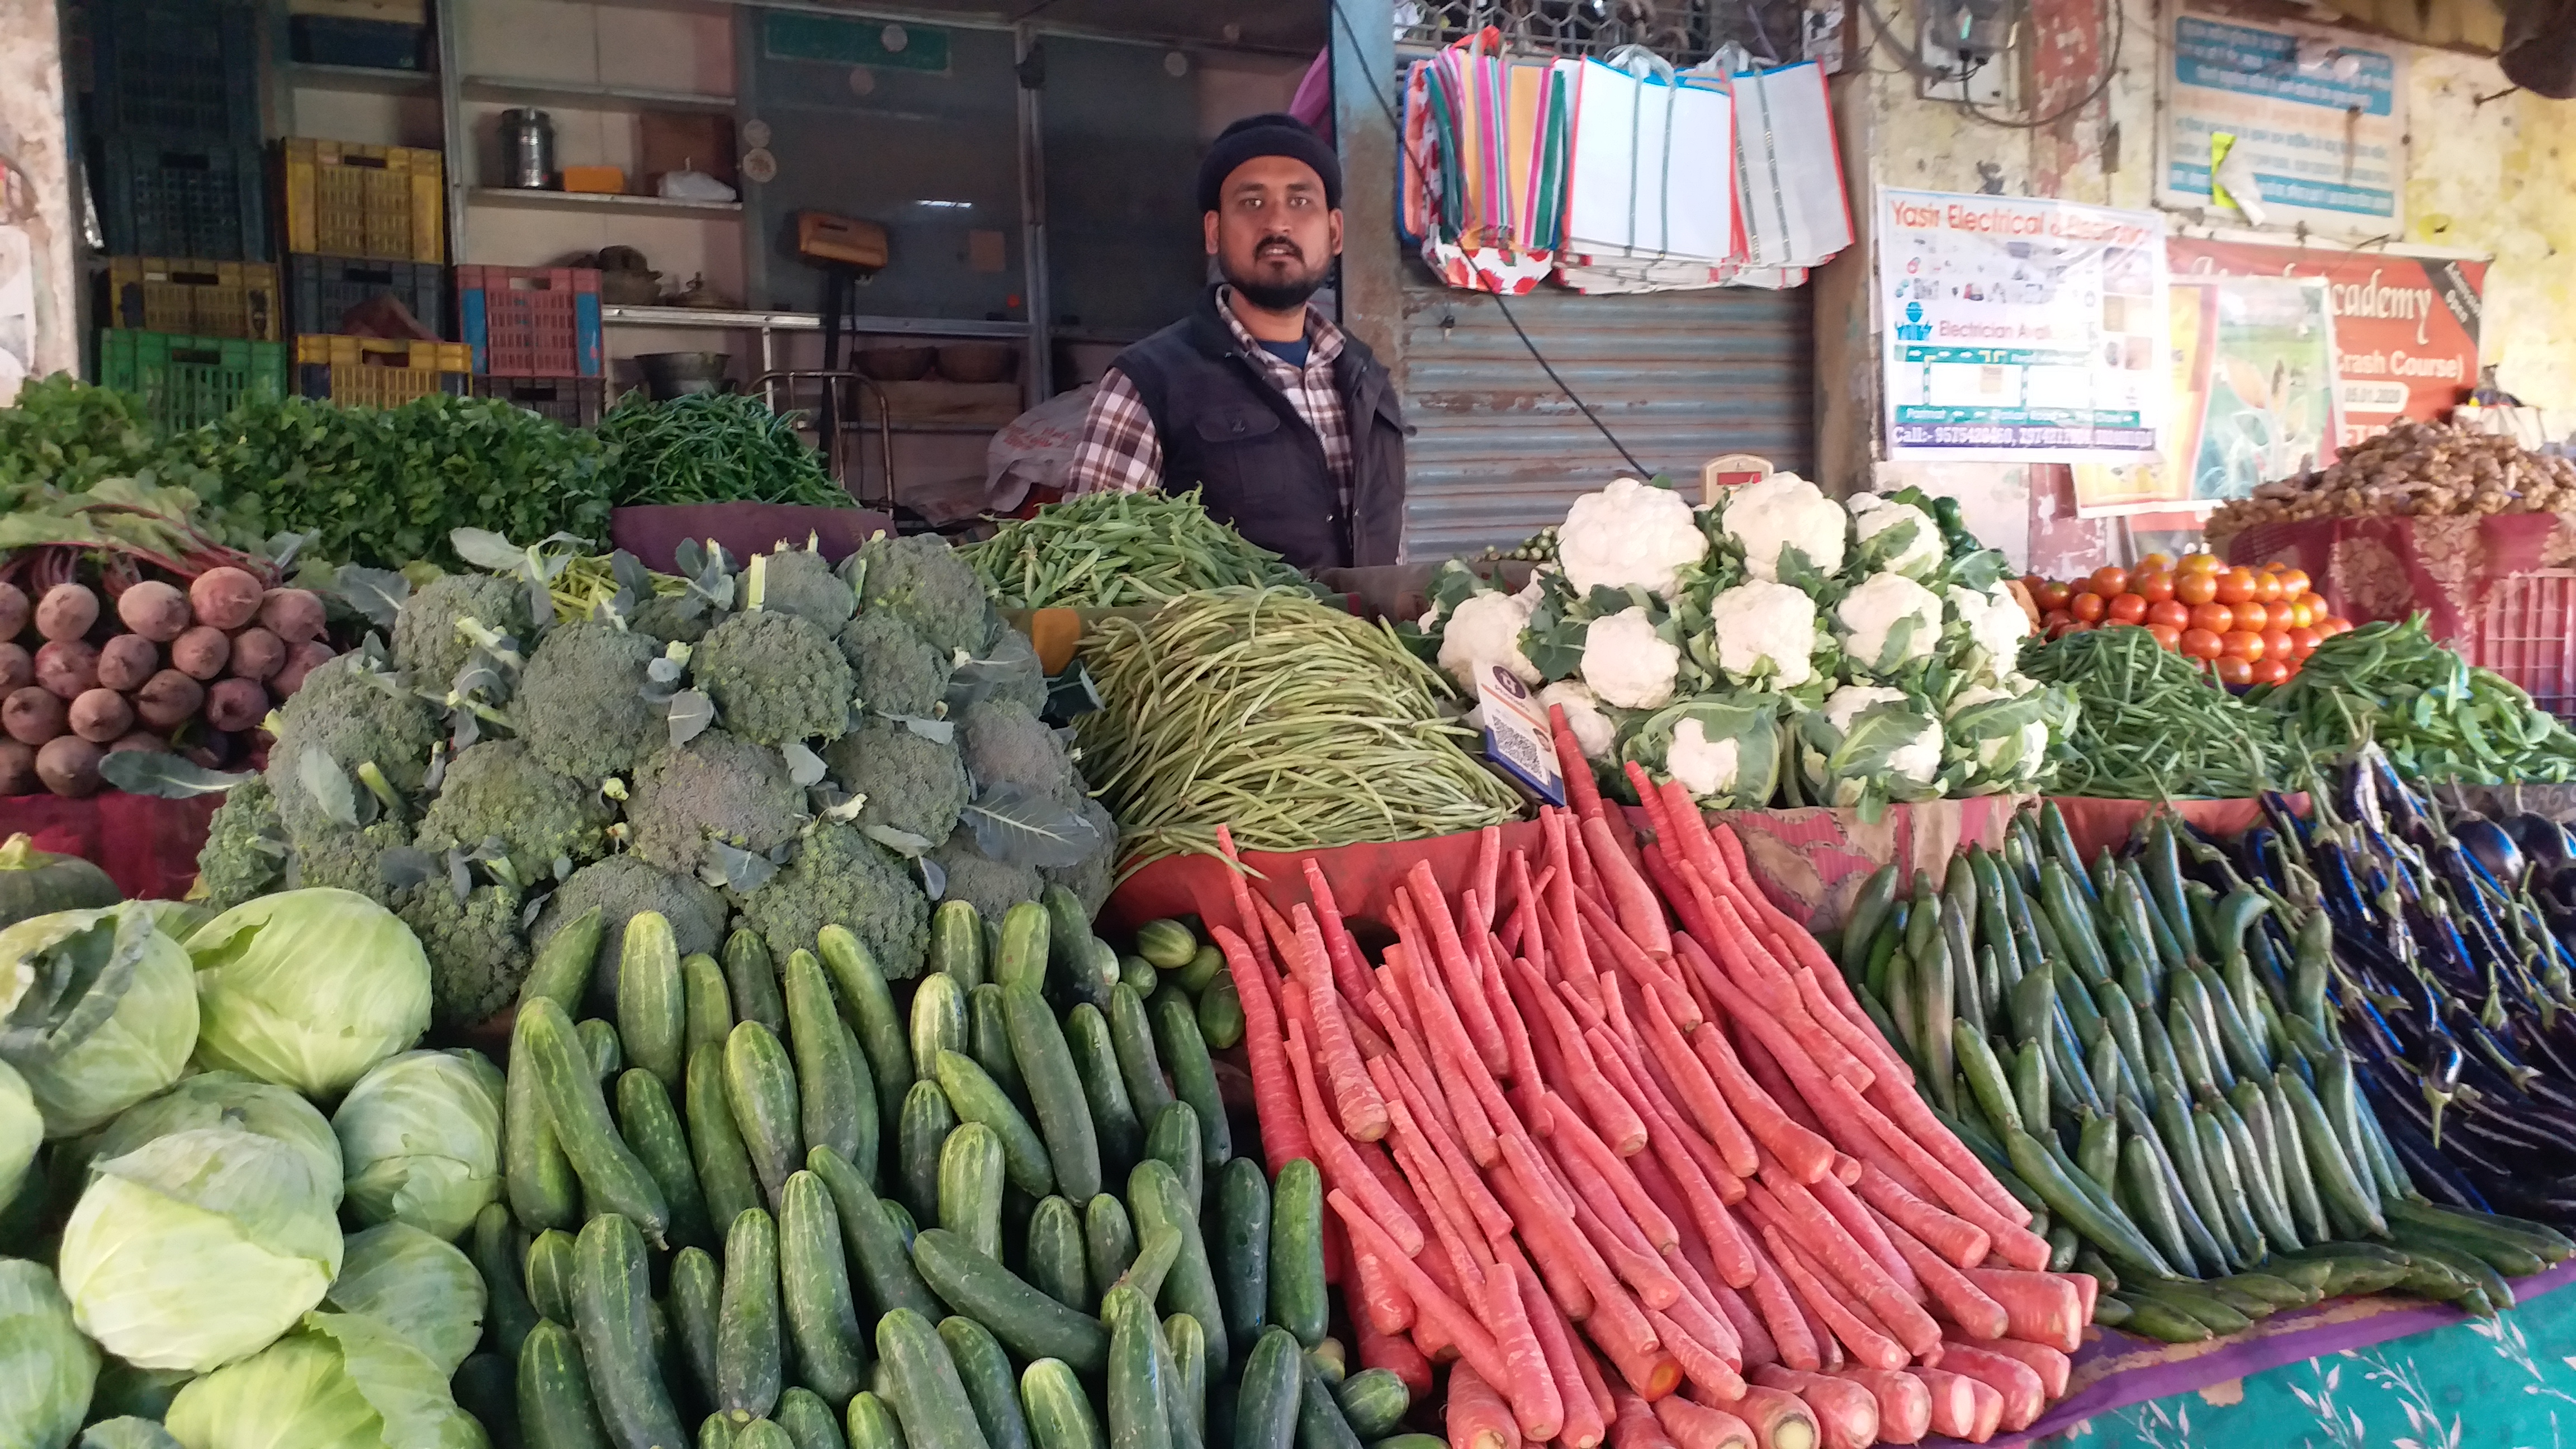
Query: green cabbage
(308, 989)
(21, 1131)
(197, 1248)
(46, 1367)
(420, 1137)
(228, 1099)
(98, 1011)
(416, 1285)
(127, 1433)
(127, 1392)
(341, 1380)
(141, 1048)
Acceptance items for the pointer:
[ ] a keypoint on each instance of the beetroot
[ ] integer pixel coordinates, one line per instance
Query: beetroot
(18, 769)
(66, 612)
(153, 609)
(68, 667)
(17, 667)
(202, 652)
(301, 660)
(168, 700)
(32, 715)
(236, 704)
(100, 716)
(139, 741)
(14, 613)
(126, 660)
(68, 765)
(294, 615)
(257, 653)
(225, 597)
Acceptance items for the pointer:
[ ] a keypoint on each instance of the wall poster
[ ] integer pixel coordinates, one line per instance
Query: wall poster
(2314, 123)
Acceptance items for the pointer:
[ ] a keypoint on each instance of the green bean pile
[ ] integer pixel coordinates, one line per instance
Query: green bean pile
(2438, 716)
(711, 448)
(2150, 724)
(1289, 721)
(1111, 550)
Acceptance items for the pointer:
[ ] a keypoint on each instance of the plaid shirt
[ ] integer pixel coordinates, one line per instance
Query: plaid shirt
(1121, 451)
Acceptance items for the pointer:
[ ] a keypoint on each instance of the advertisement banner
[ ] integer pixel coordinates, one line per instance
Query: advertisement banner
(2406, 327)
(2021, 328)
(2293, 125)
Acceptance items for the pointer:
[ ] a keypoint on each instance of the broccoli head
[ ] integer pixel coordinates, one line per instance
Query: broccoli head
(911, 783)
(245, 852)
(801, 582)
(1091, 877)
(580, 704)
(718, 786)
(497, 788)
(353, 715)
(622, 886)
(348, 859)
(839, 876)
(922, 581)
(427, 646)
(477, 956)
(1006, 744)
(896, 670)
(674, 618)
(992, 887)
(775, 678)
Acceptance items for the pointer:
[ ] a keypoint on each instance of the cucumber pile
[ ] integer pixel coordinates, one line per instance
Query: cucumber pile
(759, 1204)
(2187, 1133)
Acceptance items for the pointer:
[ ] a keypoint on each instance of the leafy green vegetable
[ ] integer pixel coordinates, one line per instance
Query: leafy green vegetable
(46, 1367)
(341, 1379)
(424, 1289)
(420, 1137)
(308, 989)
(710, 448)
(2438, 716)
(65, 433)
(113, 959)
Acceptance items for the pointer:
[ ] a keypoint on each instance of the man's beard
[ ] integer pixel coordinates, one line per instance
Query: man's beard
(1285, 296)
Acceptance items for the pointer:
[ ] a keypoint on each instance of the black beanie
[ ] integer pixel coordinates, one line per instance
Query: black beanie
(1275, 134)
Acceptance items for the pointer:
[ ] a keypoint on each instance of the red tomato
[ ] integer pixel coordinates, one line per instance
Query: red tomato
(2303, 642)
(2153, 585)
(2331, 625)
(2052, 595)
(2171, 613)
(2128, 609)
(2236, 585)
(2235, 673)
(2166, 635)
(2195, 589)
(2243, 644)
(2201, 644)
(2087, 608)
(2276, 644)
(2270, 671)
(2267, 587)
(2156, 563)
(2216, 618)
(2254, 616)
(2110, 581)
(2065, 627)
(2294, 583)
(2198, 563)
(2055, 617)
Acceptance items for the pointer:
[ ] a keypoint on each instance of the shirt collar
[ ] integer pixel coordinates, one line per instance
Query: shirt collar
(1323, 339)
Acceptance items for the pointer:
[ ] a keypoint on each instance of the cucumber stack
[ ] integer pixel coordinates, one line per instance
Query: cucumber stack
(2152, 1068)
(793, 1205)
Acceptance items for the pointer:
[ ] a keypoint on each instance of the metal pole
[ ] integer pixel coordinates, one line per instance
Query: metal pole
(1037, 371)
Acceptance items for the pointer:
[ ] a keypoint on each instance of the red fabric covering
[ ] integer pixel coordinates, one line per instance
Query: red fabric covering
(146, 845)
(2388, 568)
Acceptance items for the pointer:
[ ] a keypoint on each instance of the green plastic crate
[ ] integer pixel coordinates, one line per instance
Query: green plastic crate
(186, 381)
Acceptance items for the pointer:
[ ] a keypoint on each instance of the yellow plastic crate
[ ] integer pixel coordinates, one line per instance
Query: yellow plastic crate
(387, 203)
(369, 372)
(194, 298)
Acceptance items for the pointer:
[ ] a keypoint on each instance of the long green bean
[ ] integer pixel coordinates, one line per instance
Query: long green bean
(1287, 720)
(2438, 716)
(2150, 724)
(1111, 550)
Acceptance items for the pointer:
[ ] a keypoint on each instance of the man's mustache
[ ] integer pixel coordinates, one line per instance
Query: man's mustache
(1279, 246)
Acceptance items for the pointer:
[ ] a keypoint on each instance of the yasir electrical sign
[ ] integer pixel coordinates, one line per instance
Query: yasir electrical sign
(2405, 327)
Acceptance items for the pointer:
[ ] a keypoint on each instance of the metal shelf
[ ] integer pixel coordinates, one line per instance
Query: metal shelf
(589, 95)
(753, 321)
(529, 198)
(363, 79)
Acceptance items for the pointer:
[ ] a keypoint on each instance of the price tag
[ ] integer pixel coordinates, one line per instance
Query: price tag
(1516, 733)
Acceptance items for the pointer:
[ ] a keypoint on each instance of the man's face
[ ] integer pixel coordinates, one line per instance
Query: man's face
(1273, 235)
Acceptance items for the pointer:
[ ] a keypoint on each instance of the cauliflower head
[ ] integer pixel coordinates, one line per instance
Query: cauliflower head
(1704, 766)
(1868, 744)
(921, 580)
(1723, 748)
(840, 876)
(801, 582)
(1784, 511)
(499, 788)
(2001, 736)
(775, 678)
(580, 703)
(1880, 525)
(1486, 629)
(623, 887)
(1888, 621)
(1630, 534)
(1766, 634)
(1627, 663)
(718, 786)
(426, 644)
(1996, 624)
(911, 784)
(1594, 731)
(895, 669)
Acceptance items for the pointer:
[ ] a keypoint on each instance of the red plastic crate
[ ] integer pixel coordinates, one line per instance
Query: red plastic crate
(2530, 636)
(530, 321)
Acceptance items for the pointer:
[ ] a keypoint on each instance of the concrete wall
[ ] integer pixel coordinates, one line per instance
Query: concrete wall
(36, 191)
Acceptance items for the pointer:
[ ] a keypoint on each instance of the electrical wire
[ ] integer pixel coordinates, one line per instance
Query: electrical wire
(1396, 124)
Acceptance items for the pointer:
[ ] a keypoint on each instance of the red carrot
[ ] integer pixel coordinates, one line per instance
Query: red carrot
(1606, 938)
(1412, 1063)
(1610, 1113)
(1957, 1240)
(1917, 1156)
(1597, 1213)
(1614, 1321)
(1650, 800)
(1780, 1420)
(1904, 1403)
(1568, 1280)
(1863, 1337)
(1804, 1222)
(1836, 1198)
(1668, 883)
(1690, 837)
(1746, 1320)
(1274, 1093)
(1699, 1090)
(1781, 1316)
(1568, 1127)
(1961, 1404)
(2087, 1290)
(1350, 971)
(1697, 1426)
(1860, 1039)
(1673, 1181)
(1246, 919)
(1451, 1075)
(1536, 1404)
(1454, 969)
(1640, 914)
(1905, 1108)
(1804, 1153)
(1573, 877)
(2024, 1393)
(2052, 1367)
(1478, 1416)
(1582, 794)
(1476, 1348)
(1381, 1303)
(1766, 1072)
(1961, 1301)
(1528, 940)
(1667, 1131)
(1698, 1313)
(1342, 1165)
(1487, 877)
(1636, 1426)
(2040, 1307)
(1458, 1177)
(1596, 1381)
(1785, 1026)
(1394, 1353)
(1583, 1425)
(1846, 1413)
(1701, 1364)
(1356, 1103)
(1800, 941)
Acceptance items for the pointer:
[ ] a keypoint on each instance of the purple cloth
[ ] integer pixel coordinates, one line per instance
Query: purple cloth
(1314, 102)
(2115, 1369)
(652, 531)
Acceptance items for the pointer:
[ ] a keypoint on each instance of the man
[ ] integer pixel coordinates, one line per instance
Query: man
(1289, 424)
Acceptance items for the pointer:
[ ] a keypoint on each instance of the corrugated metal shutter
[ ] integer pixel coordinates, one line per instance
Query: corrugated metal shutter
(1680, 377)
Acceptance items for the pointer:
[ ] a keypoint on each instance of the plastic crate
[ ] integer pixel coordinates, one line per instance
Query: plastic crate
(179, 70)
(173, 198)
(187, 381)
(321, 290)
(368, 372)
(575, 402)
(372, 44)
(2530, 636)
(380, 202)
(530, 321)
(193, 298)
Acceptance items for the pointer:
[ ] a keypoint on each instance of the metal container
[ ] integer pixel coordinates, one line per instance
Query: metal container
(669, 375)
(528, 150)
